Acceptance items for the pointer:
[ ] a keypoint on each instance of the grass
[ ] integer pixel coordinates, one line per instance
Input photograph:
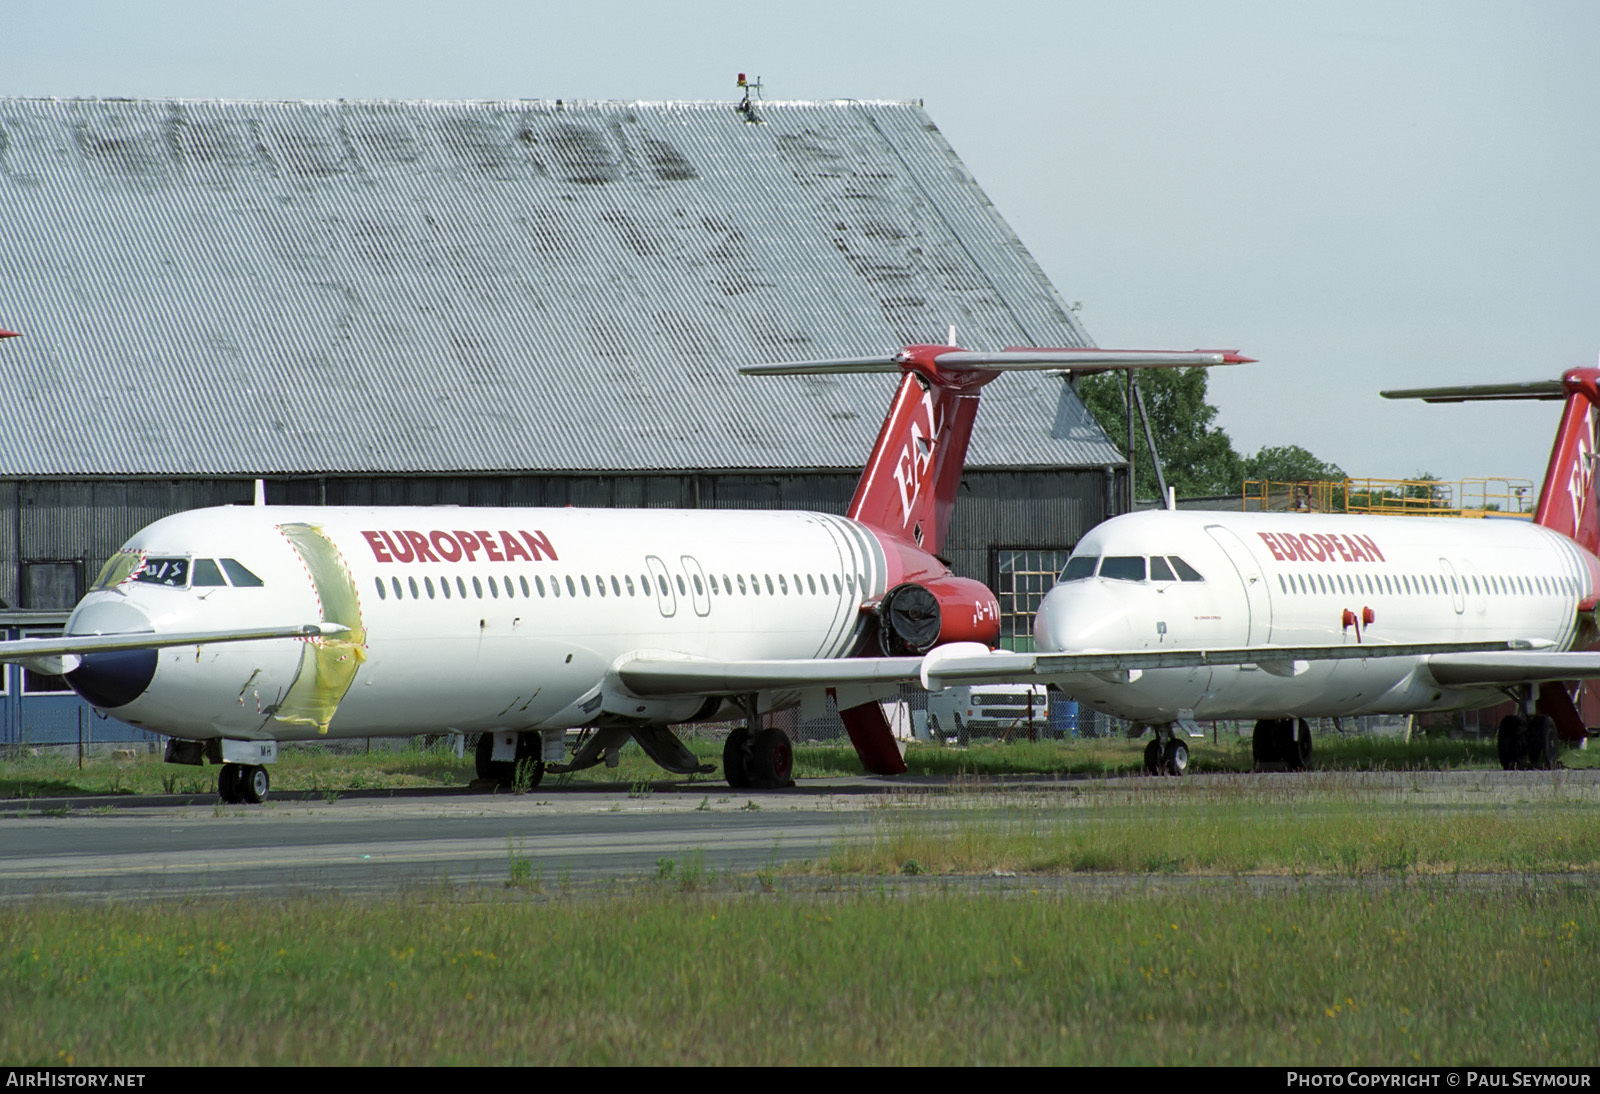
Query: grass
(1197, 833)
(677, 976)
(316, 769)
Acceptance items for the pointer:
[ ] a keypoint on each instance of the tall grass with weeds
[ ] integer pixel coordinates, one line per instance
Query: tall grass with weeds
(1414, 976)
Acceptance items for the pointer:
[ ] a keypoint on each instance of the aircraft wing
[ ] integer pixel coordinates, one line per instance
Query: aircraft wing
(34, 652)
(1512, 667)
(953, 665)
(663, 677)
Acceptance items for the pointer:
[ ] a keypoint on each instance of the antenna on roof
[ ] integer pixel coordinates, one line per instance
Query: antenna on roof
(746, 107)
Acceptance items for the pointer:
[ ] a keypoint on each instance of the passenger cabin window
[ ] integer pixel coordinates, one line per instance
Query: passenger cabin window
(1123, 567)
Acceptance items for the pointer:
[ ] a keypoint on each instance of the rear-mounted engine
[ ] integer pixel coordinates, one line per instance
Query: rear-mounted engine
(912, 618)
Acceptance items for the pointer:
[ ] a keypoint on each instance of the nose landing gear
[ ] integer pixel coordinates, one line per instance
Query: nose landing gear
(243, 783)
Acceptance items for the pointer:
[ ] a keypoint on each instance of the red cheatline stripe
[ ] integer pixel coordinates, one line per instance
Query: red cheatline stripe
(9, 334)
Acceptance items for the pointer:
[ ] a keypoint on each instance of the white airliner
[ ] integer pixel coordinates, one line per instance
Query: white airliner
(232, 629)
(1167, 617)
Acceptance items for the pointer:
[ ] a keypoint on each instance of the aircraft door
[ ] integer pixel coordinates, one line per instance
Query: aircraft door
(1258, 625)
(699, 592)
(666, 598)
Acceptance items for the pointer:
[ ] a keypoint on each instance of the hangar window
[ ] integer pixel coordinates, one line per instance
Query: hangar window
(205, 574)
(1020, 579)
(241, 577)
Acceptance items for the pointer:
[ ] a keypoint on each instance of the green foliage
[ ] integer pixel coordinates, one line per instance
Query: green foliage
(1289, 463)
(1196, 455)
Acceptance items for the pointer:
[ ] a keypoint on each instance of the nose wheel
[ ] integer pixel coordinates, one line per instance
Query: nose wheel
(1166, 755)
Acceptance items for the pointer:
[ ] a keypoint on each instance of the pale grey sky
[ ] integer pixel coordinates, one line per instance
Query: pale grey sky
(1361, 194)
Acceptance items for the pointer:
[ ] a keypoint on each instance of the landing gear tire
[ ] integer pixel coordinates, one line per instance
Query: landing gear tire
(1175, 758)
(229, 787)
(1511, 741)
(735, 759)
(771, 760)
(1542, 742)
(1152, 757)
(1264, 742)
(1298, 754)
(254, 784)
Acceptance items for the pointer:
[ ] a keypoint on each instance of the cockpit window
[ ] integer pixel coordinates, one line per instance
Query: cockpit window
(1080, 567)
(241, 577)
(118, 568)
(173, 572)
(1159, 570)
(1185, 571)
(205, 573)
(1123, 567)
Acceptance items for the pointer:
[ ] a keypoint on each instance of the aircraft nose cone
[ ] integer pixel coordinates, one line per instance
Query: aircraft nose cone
(1081, 616)
(110, 680)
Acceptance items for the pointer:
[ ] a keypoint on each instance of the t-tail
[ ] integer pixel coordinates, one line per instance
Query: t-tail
(1567, 502)
(909, 485)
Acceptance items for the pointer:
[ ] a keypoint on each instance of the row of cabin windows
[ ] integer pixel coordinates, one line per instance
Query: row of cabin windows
(604, 585)
(1423, 584)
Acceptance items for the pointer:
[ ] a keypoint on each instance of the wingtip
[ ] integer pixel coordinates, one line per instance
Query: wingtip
(10, 333)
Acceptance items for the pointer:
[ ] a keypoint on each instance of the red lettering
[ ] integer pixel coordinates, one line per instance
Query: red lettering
(514, 549)
(1333, 544)
(1272, 545)
(1290, 546)
(1312, 548)
(449, 550)
(394, 547)
(420, 542)
(379, 551)
(469, 544)
(1356, 551)
(539, 544)
(486, 541)
(1372, 548)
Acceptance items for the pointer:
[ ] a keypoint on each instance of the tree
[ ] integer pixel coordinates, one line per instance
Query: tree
(1196, 456)
(1289, 463)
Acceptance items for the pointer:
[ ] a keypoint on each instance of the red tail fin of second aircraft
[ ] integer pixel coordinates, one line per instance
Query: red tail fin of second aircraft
(909, 485)
(1567, 502)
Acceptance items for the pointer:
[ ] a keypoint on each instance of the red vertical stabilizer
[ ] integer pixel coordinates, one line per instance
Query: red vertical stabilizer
(908, 488)
(1567, 501)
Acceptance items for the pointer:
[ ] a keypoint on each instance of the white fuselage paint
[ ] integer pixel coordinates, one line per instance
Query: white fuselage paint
(497, 653)
(1430, 579)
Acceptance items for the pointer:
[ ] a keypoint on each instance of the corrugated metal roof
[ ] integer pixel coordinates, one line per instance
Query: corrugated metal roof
(209, 287)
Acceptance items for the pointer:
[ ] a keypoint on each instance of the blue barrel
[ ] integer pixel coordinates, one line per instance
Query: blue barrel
(1064, 718)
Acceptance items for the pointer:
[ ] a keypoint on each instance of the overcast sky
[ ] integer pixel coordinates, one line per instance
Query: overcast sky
(1363, 195)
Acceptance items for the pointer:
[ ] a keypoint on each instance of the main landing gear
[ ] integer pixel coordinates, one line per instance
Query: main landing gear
(1527, 741)
(757, 759)
(243, 783)
(1166, 754)
(1285, 741)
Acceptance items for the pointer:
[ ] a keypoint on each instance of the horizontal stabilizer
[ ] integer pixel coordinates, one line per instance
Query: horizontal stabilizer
(1474, 393)
(28, 648)
(1017, 359)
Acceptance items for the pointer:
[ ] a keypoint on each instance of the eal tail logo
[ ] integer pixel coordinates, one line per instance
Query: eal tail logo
(911, 469)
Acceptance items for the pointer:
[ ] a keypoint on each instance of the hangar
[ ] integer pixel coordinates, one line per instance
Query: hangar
(497, 303)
